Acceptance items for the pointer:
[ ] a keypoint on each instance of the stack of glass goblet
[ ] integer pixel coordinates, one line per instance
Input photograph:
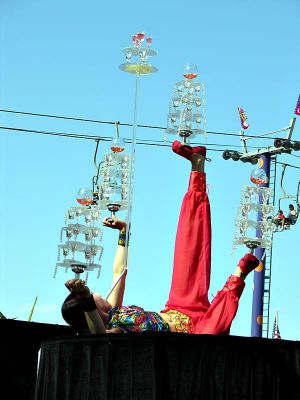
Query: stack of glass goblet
(137, 55)
(79, 248)
(186, 116)
(114, 182)
(254, 213)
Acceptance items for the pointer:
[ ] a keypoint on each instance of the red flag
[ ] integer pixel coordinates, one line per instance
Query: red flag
(297, 108)
(243, 118)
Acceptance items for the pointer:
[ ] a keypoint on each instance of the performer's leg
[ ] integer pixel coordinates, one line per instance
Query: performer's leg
(219, 316)
(192, 256)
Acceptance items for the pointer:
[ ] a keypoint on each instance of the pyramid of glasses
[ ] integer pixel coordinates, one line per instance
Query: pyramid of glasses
(254, 213)
(79, 248)
(137, 55)
(186, 116)
(114, 182)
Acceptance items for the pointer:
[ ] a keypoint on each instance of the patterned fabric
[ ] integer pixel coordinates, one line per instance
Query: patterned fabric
(122, 237)
(182, 322)
(135, 319)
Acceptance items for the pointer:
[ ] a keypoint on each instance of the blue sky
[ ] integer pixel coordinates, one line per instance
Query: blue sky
(62, 58)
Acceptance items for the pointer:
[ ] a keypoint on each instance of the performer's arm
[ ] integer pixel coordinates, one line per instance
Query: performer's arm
(115, 297)
(83, 294)
(94, 321)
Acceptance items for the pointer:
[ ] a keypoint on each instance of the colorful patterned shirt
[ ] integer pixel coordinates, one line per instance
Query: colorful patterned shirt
(136, 319)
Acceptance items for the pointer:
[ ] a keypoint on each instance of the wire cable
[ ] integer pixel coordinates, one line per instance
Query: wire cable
(288, 165)
(147, 142)
(260, 136)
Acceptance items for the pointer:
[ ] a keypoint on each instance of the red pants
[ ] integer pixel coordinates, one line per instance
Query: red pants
(192, 264)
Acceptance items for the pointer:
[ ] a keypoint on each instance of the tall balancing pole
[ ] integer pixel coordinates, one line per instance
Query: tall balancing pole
(137, 63)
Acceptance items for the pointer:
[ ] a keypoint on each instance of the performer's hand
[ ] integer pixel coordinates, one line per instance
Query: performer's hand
(114, 223)
(78, 287)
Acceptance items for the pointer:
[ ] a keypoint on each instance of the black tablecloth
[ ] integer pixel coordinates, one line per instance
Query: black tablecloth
(168, 366)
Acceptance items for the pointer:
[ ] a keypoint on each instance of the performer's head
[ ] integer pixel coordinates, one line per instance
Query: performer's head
(72, 311)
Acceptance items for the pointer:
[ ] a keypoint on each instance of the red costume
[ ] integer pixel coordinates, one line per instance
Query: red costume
(188, 308)
(192, 265)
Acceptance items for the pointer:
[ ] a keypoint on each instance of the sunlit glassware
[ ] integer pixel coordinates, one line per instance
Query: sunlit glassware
(149, 41)
(190, 71)
(137, 56)
(258, 176)
(140, 36)
(85, 196)
(78, 249)
(253, 222)
(186, 117)
(117, 145)
(135, 40)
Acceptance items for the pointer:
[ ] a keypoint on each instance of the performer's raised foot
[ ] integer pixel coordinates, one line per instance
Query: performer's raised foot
(195, 154)
(247, 264)
(187, 151)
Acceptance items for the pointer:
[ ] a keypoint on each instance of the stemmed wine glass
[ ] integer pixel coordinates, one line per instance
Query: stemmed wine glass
(117, 144)
(85, 196)
(149, 41)
(190, 71)
(258, 176)
(135, 41)
(140, 36)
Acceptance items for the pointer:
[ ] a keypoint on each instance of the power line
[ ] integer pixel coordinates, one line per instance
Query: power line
(288, 165)
(105, 138)
(261, 136)
(70, 118)
(294, 155)
(71, 135)
(145, 142)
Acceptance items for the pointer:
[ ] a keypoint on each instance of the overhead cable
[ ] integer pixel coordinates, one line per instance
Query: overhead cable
(260, 136)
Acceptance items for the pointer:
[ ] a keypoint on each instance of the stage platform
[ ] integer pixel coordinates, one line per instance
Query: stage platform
(144, 366)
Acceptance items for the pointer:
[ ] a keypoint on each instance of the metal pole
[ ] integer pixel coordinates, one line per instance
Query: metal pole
(259, 277)
(130, 185)
(136, 64)
(131, 174)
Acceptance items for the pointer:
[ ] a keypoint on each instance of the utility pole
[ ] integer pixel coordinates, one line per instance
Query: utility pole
(263, 155)
(259, 276)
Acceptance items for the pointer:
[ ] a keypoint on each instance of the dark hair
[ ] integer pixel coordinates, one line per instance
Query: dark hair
(72, 312)
(291, 205)
(280, 211)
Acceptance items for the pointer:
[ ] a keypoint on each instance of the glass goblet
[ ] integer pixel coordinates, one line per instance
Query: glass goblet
(85, 196)
(190, 71)
(136, 42)
(149, 41)
(140, 36)
(117, 145)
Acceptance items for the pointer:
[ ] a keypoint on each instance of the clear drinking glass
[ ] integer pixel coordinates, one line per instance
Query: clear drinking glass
(85, 196)
(190, 71)
(117, 145)
(149, 41)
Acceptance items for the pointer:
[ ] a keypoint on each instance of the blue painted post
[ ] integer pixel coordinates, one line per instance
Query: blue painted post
(259, 277)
